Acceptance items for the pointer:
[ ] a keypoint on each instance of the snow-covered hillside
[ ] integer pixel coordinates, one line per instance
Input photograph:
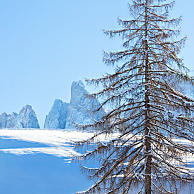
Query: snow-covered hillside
(36, 161)
(54, 142)
(59, 143)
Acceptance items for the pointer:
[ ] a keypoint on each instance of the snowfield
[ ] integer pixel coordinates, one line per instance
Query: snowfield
(58, 142)
(54, 142)
(36, 161)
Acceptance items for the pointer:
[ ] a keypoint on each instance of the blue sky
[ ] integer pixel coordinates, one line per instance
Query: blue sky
(47, 44)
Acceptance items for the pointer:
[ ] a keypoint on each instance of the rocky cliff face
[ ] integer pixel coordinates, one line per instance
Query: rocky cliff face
(80, 110)
(56, 119)
(12, 120)
(25, 119)
(3, 120)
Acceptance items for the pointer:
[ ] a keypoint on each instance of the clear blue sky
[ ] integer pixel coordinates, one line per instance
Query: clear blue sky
(47, 44)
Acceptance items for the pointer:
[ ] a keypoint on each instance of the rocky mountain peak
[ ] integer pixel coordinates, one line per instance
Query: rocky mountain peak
(25, 119)
(78, 92)
(80, 110)
(56, 119)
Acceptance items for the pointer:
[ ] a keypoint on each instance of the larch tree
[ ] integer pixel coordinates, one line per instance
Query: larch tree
(145, 107)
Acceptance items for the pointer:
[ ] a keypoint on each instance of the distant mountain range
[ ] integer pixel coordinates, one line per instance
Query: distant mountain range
(80, 110)
(25, 119)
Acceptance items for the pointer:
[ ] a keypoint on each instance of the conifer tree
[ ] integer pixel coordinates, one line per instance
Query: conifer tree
(145, 107)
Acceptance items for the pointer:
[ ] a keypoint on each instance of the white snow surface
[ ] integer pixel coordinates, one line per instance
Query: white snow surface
(48, 137)
(59, 143)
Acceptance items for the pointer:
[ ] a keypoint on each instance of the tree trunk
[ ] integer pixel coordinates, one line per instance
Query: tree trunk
(148, 169)
(147, 135)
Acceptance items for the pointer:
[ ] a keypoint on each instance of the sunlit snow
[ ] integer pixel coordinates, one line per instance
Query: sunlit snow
(59, 143)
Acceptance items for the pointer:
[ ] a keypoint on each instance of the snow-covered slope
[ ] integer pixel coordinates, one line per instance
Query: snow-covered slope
(25, 119)
(40, 161)
(61, 142)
